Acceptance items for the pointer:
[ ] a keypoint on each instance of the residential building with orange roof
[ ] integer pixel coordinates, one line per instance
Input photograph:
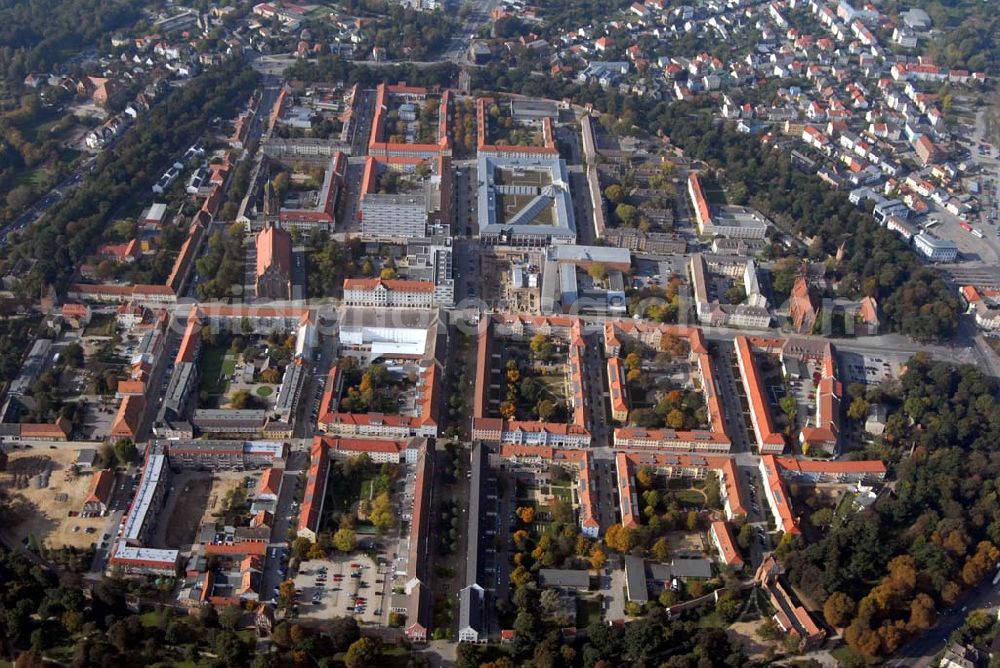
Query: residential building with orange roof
(269, 485)
(820, 471)
(418, 546)
(322, 215)
(78, 315)
(539, 457)
(699, 203)
(273, 278)
(714, 439)
(181, 269)
(130, 387)
(824, 429)
(98, 498)
(628, 498)
(768, 440)
(190, 346)
(262, 519)
(113, 293)
(776, 494)
(725, 545)
(238, 551)
(391, 293)
(618, 389)
(379, 450)
(791, 618)
(315, 493)
(492, 330)
(378, 142)
(128, 420)
(732, 496)
(422, 423)
(483, 143)
(693, 466)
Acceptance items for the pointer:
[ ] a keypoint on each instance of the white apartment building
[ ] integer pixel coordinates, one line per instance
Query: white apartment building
(388, 293)
(935, 249)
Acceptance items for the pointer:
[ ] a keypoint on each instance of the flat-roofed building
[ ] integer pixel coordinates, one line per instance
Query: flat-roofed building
(636, 586)
(148, 499)
(136, 561)
(578, 580)
(524, 201)
(934, 248)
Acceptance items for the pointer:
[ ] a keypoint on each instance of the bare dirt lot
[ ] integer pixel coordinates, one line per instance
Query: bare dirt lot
(745, 634)
(686, 543)
(44, 511)
(194, 498)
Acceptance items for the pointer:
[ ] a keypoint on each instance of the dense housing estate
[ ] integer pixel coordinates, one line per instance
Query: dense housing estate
(498, 362)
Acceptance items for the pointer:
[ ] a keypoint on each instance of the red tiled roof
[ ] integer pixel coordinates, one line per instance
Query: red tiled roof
(370, 284)
(274, 248)
(270, 482)
(126, 424)
(763, 425)
(778, 491)
(192, 338)
(871, 467)
(312, 500)
(101, 485)
(702, 209)
(724, 535)
(257, 548)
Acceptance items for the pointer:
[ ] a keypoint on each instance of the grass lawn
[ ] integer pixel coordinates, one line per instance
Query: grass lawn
(846, 656)
(149, 619)
(588, 610)
(212, 364)
(61, 653)
(844, 506)
(711, 620)
(553, 386)
(38, 178)
(100, 325)
(717, 197)
(563, 494)
(229, 365)
(689, 497)
(264, 391)
(366, 490)
(394, 656)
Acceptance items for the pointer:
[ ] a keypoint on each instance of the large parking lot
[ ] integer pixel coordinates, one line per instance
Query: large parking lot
(340, 586)
(868, 369)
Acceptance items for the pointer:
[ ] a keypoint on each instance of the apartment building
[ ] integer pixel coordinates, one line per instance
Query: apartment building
(768, 440)
(223, 455)
(934, 248)
(378, 292)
